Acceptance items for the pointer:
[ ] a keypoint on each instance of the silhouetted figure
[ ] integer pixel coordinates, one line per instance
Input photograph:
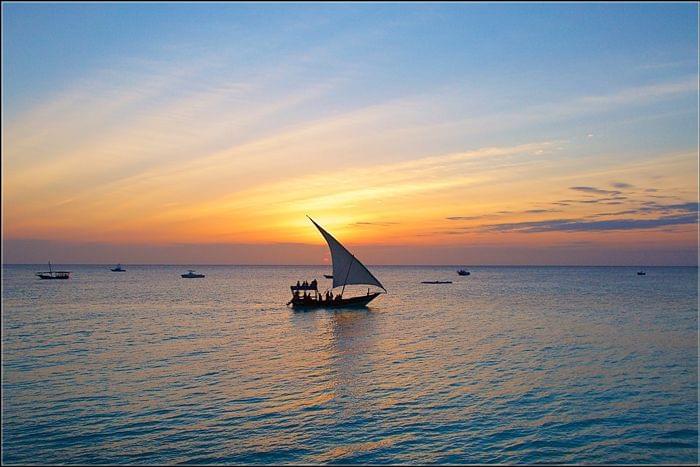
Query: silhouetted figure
(298, 284)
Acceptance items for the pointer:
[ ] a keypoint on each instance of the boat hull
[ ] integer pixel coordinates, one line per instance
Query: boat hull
(46, 277)
(352, 302)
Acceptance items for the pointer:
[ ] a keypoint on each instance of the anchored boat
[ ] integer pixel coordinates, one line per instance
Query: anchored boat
(191, 275)
(347, 270)
(118, 268)
(51, 274)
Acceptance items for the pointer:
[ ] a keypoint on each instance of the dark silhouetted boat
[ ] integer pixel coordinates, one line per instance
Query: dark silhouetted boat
(641, 273)
(328, 276)
(191, 275)
(436, 282)
(347, 270)
(51, 274)
(462, 272)
(118, 268)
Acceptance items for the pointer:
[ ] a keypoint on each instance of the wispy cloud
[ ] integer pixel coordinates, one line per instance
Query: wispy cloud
(582, 225)
(501, 214)
(622, 185)
(597, 191)
(373, 224)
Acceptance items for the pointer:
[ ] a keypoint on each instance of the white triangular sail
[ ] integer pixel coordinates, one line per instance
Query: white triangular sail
(347, 269)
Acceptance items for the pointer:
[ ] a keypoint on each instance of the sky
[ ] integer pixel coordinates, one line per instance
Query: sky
(421, 133)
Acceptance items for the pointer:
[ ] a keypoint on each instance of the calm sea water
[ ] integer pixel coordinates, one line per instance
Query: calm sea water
(508, 365)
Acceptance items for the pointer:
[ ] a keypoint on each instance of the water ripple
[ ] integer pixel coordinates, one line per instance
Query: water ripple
(508, 365)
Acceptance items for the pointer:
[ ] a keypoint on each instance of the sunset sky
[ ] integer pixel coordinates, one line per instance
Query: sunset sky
(415, 133)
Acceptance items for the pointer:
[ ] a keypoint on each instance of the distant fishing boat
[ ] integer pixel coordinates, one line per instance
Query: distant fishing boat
(641, 273)
(436, 282)
(51, 274)
(118, 268)
(191, 275)
(347, 270)
(328, 276)
(462, 272)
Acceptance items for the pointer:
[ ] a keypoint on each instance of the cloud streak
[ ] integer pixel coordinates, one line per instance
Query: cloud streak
(594, 190)
(582, 225)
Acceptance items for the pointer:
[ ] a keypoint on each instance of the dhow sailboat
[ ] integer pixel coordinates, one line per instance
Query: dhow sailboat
(347, 270)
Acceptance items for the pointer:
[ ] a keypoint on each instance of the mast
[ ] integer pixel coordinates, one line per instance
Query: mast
(50, 271)
(346, 276)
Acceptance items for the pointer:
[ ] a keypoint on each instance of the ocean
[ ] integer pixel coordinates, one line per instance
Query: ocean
(507, 365)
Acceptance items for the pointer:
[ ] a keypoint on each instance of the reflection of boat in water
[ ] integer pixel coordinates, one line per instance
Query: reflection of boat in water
(462, 272)
(51, 274)
(118, 268)
(328, 276)
(191, 275)
(347, 270)
(436, 282)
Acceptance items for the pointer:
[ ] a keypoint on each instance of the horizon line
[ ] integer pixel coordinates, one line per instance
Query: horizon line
(377, 265)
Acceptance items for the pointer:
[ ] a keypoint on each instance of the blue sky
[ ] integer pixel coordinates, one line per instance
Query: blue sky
(557, 49)
(226, 100)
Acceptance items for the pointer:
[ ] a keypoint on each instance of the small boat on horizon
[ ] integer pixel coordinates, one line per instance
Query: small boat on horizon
(641, 273)
(345, 266)
(118, 268)
(191, 275)
(51, 274)
(462, 272)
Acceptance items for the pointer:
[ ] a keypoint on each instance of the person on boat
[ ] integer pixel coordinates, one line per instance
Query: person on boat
(313, 283)
(298, 284)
